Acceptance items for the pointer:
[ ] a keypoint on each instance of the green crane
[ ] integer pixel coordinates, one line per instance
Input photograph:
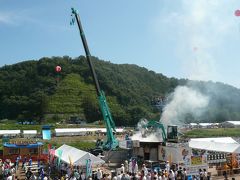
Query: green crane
(111, 142)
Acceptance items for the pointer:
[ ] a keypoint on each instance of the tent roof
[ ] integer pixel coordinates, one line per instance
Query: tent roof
(193, 124)
(6, 132)
(77, 156)
(224, 144)
(70, 130)
(234, 122)
(205, 124)
(29, 131)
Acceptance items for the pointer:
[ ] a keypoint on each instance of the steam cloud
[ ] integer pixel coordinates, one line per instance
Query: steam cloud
(147, 135)
(184, 100)
(202, 26)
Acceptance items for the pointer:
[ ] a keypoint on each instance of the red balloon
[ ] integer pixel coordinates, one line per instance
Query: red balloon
(237, 12)
(58, 68)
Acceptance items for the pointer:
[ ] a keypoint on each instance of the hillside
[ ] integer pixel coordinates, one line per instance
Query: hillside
(32, 90)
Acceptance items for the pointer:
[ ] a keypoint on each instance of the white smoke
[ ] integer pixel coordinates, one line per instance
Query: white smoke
(201, 26)
(147, 135)
(184, 100)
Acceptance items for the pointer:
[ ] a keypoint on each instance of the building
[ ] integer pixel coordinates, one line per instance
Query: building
(230, 124)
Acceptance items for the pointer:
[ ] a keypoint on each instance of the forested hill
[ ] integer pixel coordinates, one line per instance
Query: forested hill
(32, 90)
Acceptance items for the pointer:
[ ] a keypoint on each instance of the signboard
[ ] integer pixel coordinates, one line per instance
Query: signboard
(196, 160)
(216, 158)
(175, 153)
(194, 170)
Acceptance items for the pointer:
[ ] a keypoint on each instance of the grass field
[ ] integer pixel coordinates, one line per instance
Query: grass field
(220, 132)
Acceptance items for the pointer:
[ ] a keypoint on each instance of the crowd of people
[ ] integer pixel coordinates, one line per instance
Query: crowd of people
(7, 170)
(128, 171)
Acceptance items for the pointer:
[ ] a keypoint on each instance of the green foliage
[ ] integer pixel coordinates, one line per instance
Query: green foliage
(220, 132)
(33, 91)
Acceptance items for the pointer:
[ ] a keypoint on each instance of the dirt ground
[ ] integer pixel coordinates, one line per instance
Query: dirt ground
(214, 175)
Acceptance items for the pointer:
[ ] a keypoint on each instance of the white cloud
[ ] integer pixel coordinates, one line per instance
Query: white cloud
(203, 24)
(6, 18)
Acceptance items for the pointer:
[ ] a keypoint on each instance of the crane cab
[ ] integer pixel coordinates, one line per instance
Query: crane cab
(172, 133)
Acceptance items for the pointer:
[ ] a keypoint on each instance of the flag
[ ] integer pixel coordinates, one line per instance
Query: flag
(59, 153)
(88, 168)
(70, 161)
(49, 147)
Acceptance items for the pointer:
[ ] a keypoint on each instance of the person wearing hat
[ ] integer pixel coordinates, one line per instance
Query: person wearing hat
(122, 168)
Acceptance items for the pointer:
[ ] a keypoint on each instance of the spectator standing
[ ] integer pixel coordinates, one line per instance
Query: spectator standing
(144, 169)
(99, 174)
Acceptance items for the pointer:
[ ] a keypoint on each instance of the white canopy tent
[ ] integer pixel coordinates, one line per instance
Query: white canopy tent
(29, 133)
(223, 144)
(81, 131)
(11, 133)
(77, 157)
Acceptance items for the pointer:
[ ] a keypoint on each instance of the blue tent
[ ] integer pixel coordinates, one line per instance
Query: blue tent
(46, 132)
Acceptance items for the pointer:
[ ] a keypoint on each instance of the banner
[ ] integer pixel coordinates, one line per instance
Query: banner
(49, 147)
(194, 170)
(52, 154)
(70, 161)
(46, 134)
(178, 153)
(59, 153)
(88, 168)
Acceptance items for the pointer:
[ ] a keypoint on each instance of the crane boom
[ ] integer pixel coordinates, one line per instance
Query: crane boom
(111, 142)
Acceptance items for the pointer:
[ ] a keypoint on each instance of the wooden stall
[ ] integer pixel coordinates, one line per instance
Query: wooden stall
(24, 149)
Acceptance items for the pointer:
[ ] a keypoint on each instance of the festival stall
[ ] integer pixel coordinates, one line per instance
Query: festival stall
(23, 149)
(180, 154)
(222, 153)
(66, 157)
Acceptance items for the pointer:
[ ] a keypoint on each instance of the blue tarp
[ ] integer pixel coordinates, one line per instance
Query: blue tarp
(46, 134)
(35, 145)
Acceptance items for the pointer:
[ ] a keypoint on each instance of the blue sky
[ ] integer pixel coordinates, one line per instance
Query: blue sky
(196, 39)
